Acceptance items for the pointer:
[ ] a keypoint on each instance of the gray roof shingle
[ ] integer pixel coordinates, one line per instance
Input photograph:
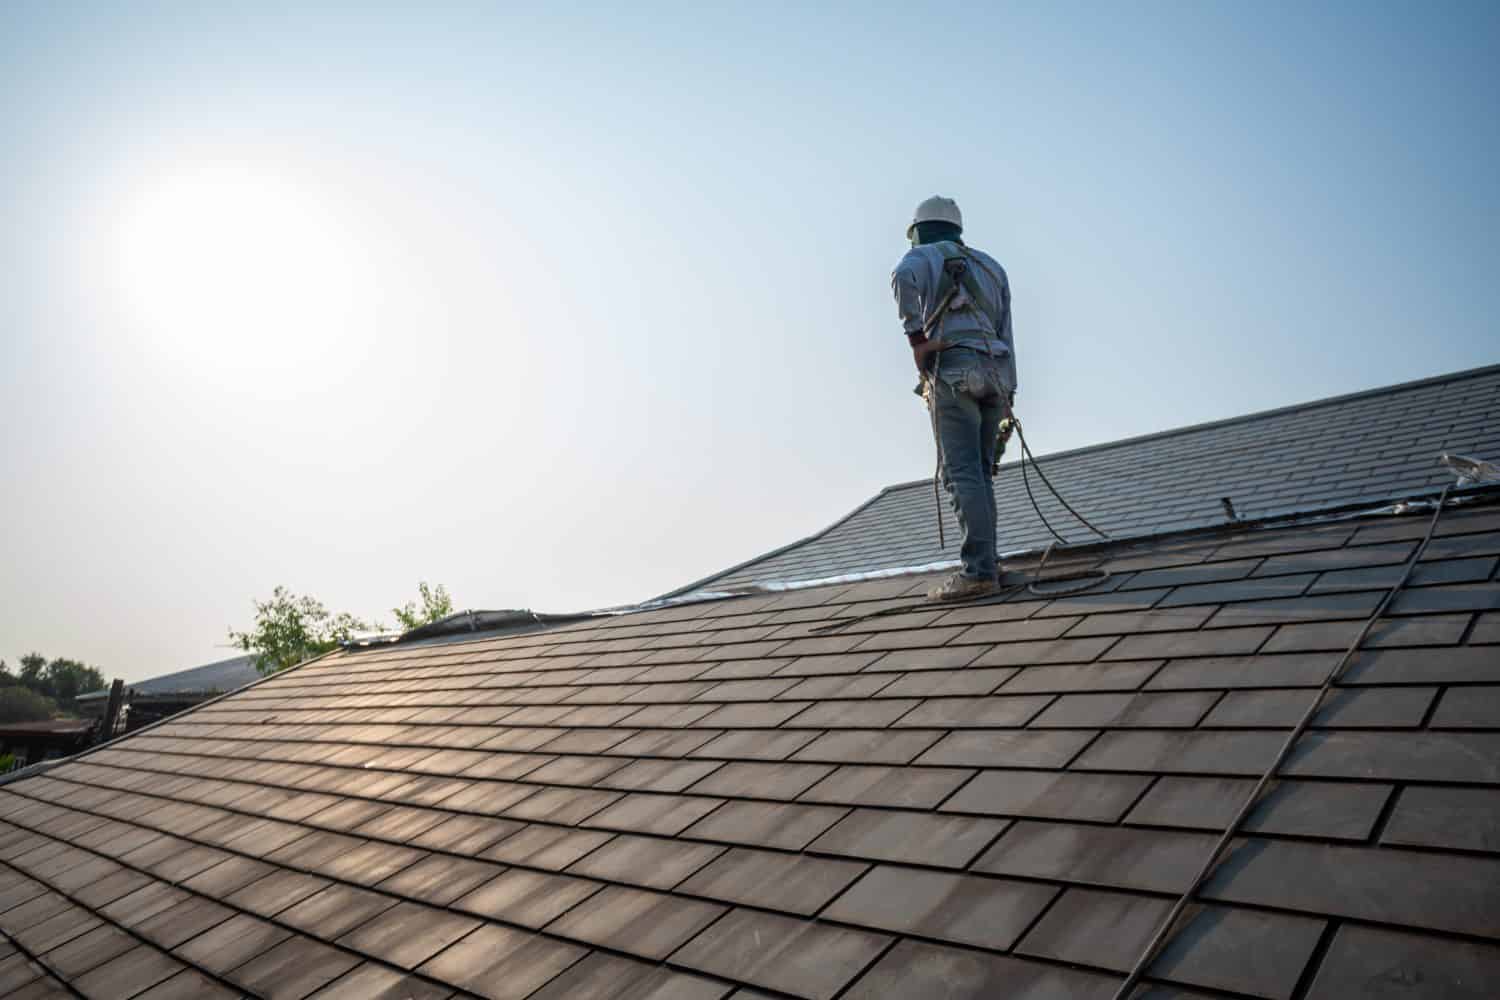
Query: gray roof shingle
(1360, 448)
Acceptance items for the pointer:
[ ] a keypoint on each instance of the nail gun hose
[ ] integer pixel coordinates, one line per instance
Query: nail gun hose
(937, 444)
(1026, 452)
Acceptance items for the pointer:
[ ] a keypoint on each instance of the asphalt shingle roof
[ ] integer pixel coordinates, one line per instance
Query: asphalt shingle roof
(1366, 447)
(716, 800)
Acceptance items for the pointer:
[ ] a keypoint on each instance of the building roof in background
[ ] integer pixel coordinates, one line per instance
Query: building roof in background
(211, 678)
(64, 727)
(714, 800)
(1365, 447)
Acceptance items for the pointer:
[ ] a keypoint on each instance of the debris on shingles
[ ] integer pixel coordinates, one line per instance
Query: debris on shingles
(711, 800)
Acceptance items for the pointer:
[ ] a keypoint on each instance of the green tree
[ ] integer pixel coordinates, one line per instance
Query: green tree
(436, 605)
(32, 665)
(60, 680)
(21, 704)
(289, 629)
(64, 680)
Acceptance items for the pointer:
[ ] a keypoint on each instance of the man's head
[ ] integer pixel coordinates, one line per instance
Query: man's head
(935, 220)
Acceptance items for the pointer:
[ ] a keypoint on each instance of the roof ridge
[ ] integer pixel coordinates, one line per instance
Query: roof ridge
(1245, 418)
(925, 483)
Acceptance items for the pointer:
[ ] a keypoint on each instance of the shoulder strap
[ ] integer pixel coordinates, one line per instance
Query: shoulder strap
(958, 268)
(958, 271)
(955, 270)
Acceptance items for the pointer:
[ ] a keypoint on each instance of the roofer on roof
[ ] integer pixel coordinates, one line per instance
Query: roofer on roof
(954, 302)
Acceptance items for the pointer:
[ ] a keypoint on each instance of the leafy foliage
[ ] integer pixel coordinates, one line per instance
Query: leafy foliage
(289, 629)
(60, 680)
(21, 704)
(64, 680)
(436, 605)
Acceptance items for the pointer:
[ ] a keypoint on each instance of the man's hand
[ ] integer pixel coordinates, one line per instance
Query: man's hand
(921, 350)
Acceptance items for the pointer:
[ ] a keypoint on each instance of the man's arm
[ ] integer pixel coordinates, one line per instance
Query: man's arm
(1008, 333)
(906, 287)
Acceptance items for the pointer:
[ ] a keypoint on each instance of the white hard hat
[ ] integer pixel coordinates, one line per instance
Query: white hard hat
(936, 209)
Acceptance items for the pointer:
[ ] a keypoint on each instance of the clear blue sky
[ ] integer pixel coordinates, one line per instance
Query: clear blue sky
(564, 309)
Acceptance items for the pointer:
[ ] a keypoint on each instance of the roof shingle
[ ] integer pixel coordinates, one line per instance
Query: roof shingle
(708, 800)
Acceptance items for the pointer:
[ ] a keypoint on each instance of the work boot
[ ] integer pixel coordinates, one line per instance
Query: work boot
(960, 588)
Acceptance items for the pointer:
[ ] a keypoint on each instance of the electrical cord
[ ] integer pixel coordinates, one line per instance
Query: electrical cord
(1027, 459)
(1082, 581)
(1168, 925)
(1032, 497)
(1075, 583)
(1028, 456)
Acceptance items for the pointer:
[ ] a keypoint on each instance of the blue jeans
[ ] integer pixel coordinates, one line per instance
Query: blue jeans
(971, 398)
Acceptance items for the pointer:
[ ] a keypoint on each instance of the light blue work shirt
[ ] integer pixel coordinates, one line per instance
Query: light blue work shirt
(915, 284)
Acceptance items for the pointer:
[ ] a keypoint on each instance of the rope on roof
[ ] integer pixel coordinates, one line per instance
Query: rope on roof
(1168, 925)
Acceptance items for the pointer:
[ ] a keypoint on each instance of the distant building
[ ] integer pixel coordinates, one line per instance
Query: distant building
(155, 699)
(31, 742)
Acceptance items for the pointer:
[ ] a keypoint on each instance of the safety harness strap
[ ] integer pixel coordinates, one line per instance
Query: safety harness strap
(958, 273)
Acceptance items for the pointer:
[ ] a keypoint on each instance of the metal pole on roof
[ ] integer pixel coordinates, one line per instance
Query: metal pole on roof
(111, 711)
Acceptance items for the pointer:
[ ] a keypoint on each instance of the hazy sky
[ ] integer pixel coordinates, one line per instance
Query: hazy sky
(568, 309)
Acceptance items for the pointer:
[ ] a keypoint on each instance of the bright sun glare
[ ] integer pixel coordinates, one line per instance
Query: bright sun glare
(236, 267)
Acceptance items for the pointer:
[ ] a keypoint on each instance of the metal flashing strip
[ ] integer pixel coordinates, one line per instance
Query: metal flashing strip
(32, 770)
(781, 549)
